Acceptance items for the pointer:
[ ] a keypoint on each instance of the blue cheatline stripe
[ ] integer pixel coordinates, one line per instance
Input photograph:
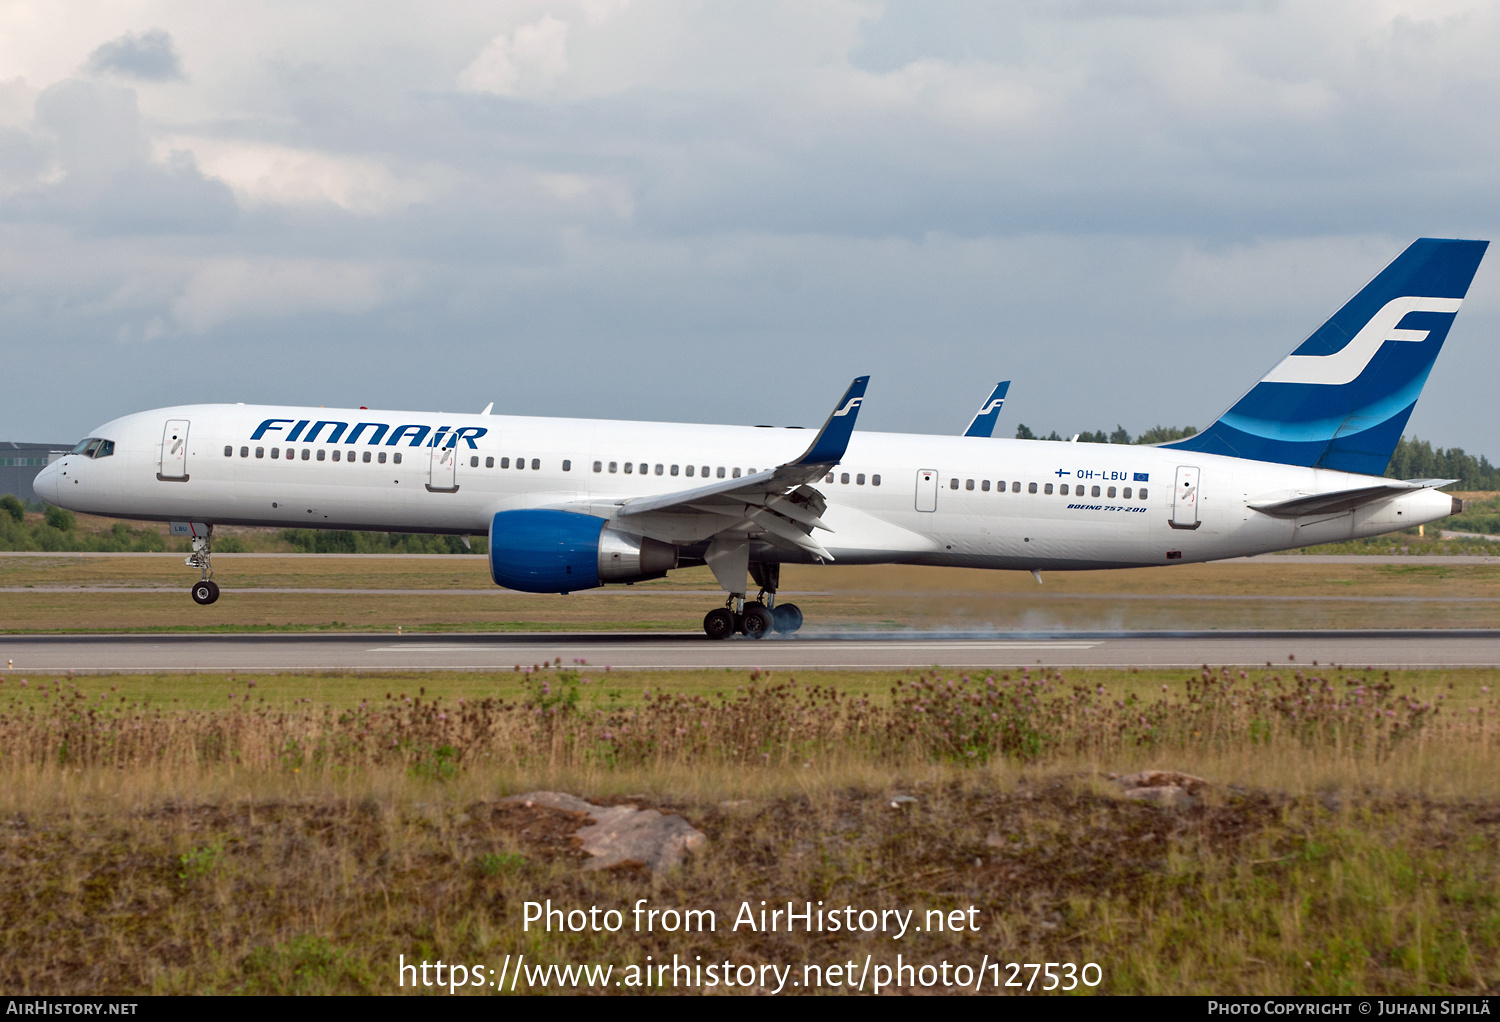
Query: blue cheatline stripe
(1342, 398)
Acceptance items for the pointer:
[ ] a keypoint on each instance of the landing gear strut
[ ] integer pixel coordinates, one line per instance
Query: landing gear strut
(757, 618)
(206, 590)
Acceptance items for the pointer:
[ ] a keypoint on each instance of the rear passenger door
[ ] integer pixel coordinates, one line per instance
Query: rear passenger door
(927, 487)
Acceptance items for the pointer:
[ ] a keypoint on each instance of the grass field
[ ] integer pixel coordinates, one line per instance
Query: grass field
(296, 834)
(309, 592)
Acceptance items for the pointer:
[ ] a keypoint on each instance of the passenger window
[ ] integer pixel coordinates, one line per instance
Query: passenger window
(1000, 486)
(520, 463)
(1015, 487)
(704, 472)
(474, 461)
(536, 464)
(275, 452)
(598, 466)
(351, 456)
(1063, 489)
(1125, 493)
(1031, 487)
(968, 484)
(689, 471)
(244, 452)
(736, 474)
(366, 458)
(1047, 488)
(320, 454)
(382, 457)
(505, 463)
(844, 478)
(395, 457)
(952, 484)
(859, 480)
(662, 468)
(645, 468)
(721, 472)
(307, 453)
(829, 479)
(335, 454)
(260, 452)
(490, 462)
(875, 480)
(1142, 493)
(613, 465)
(228, 452)
(1111, 492)
(984, 485)
(1096, 491)
(674, 470)
(629, 467)
(567, 465)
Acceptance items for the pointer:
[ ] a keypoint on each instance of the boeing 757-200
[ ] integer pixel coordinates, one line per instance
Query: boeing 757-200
(571, 504)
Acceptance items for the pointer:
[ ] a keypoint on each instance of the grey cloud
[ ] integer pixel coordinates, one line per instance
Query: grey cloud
(150, 56)
(1134, 246)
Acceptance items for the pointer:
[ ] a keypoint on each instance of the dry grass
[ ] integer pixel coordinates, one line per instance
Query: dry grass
(419, 594)
(301, 847)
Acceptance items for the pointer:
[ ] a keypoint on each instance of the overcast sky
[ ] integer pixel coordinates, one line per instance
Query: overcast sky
(723, 211)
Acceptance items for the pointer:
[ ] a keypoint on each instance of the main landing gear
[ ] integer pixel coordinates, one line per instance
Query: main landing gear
(205, 590)
(754, 620)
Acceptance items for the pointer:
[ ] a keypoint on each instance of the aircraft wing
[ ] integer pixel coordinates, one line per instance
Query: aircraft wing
(778, 501)
(1344, 500)
(989, 412)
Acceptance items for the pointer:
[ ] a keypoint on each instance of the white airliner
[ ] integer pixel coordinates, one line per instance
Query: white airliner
(570, 504)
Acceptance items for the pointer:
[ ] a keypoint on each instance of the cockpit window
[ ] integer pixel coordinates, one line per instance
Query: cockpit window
(95, 447)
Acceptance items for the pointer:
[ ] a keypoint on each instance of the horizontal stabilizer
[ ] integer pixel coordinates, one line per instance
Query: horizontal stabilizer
(1344, 500)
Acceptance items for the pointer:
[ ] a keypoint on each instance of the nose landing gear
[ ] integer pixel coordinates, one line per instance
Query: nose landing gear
(206, 590)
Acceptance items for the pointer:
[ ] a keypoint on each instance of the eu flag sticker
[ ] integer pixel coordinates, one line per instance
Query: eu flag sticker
(1143, 477)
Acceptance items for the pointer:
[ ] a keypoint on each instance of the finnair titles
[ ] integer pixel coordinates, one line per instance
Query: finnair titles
(571, 504)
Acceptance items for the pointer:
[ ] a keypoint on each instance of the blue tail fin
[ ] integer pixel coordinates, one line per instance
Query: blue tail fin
(1342, 398)
(989, 412)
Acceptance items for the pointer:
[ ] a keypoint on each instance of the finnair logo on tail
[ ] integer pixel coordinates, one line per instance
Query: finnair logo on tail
(848, 406)
(993, 406)
(1345, 365)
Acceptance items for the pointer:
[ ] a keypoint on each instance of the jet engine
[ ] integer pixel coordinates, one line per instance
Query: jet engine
(538, 551)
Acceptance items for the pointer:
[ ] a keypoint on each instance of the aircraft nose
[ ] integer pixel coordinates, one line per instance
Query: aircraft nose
(45, 483)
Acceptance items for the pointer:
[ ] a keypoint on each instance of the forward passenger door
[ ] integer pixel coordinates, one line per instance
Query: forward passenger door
(442, 469)
(172, 465)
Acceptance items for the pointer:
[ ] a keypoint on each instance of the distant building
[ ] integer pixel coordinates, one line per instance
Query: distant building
(19, 464)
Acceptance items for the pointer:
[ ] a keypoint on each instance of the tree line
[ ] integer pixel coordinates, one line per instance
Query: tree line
(1413, 458)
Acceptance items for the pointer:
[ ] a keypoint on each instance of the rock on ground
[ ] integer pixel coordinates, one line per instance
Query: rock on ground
(622, 834)
(1163, 787)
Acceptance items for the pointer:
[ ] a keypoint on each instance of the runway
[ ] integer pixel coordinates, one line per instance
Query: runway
(808, 651)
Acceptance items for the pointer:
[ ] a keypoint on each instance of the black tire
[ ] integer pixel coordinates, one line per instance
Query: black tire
(718, 623)
(787, 616)
(758, 622)
(205, 592)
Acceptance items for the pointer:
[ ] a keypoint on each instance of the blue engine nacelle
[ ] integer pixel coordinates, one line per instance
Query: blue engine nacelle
(539, 551)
